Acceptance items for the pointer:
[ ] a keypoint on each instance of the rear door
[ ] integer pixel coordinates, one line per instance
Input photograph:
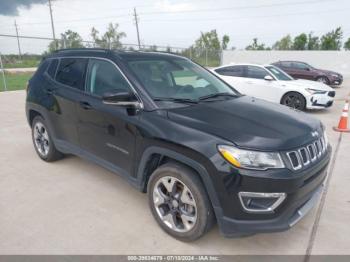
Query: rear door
(233, 75)
(67, 87)
(107, 132)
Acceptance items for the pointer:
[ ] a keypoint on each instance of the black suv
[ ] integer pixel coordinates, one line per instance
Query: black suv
(202, 151)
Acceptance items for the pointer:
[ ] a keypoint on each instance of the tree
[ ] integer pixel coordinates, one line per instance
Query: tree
(300, 42)
(256, 46)
(347, 44)
(69, 39)
(284, 44)
(332, 40)
(313, 42)
(111, 39)
(224, 41)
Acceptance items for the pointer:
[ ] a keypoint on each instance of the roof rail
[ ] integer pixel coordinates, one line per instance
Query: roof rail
(82, 49)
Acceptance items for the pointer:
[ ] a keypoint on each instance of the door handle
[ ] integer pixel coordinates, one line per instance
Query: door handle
(50, 91)
(85, 105)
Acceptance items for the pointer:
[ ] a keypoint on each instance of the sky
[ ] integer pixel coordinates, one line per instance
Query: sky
(171, 22)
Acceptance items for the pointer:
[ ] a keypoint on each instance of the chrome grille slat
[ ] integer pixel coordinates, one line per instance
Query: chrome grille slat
(308, 154)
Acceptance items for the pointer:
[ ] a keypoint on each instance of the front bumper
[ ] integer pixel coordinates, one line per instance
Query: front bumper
(319, 101)
(303, 190)
(335, 81)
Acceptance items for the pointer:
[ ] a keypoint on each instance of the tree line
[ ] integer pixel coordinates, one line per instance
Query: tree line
(207, 44)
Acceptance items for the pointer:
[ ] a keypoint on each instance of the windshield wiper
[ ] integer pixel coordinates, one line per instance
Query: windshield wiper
(216, 95)
(176, 100)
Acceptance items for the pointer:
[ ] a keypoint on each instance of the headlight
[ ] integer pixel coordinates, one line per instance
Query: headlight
(315, 91)
(335, 75)
(251, 159)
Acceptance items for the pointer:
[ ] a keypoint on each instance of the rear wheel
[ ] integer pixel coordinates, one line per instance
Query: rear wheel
(179, 202)
(323, 79)
(294, 100)
(42, 141)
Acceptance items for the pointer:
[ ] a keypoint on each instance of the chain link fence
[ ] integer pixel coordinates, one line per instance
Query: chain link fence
(20, 56)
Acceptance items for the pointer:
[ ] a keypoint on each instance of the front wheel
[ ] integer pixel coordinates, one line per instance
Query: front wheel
(179, 202)
(294, 100)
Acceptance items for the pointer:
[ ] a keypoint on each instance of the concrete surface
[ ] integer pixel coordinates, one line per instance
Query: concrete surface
(75, 207)
(338, 61)
(20, 70)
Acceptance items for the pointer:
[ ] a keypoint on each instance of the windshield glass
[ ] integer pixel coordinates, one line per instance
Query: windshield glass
(279, 74)
(176, 78)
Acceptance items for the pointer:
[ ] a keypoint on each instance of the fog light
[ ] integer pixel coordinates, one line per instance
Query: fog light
(254, 202)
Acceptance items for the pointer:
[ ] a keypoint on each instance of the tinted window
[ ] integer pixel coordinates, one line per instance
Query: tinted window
(256, 72)
(301, 66)
(71, 72)
(52, 68)
(237, 71)
(279, 74)
(104, 77)
(286, 64)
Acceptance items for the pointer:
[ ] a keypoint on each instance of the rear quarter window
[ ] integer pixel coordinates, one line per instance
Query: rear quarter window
(71, 72)
(51, 70)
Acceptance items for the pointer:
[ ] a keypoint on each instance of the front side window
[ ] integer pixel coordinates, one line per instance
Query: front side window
(103, 77)
(176, 78)
(301, 66)
(71, 72)
(237, 71)
(256, 72)
(279, 74)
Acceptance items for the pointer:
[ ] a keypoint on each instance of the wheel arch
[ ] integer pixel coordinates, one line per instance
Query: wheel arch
(32, 114)
(155, 156)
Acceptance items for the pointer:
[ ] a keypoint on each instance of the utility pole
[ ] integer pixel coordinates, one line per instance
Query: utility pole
(137, 27)
(52, 25)
(19, 46)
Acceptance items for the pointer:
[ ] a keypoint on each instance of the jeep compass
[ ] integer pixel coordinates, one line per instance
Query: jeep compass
(202, 152)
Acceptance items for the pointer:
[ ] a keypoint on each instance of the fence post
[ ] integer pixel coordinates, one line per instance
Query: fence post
(3, 73)
(206, 57)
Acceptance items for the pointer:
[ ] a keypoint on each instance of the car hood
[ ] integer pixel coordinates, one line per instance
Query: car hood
(326, 72)
(307, 84)
(250, 123)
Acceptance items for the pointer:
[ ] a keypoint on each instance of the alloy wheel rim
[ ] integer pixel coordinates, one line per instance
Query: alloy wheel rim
(293, 101)
(41, 139)
(175, 204)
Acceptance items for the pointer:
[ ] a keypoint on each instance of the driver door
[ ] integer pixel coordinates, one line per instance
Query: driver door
(106, 132)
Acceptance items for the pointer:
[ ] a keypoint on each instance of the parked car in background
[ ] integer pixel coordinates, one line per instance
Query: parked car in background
(301, 70)
(203, 152)
(271, 83)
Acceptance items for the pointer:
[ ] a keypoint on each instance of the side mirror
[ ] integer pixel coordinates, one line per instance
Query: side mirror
(121, 98)
(307, 69)
(268, 78)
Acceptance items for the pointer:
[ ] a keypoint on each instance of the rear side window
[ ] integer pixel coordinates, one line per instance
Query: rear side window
(286, 64)
(71, 72)
(237, 71)
(52, 68)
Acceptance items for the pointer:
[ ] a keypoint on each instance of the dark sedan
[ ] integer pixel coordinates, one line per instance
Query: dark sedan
(301, 70)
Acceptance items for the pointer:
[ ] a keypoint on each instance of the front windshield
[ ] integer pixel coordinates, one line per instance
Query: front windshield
(279, 74)
(176, 78)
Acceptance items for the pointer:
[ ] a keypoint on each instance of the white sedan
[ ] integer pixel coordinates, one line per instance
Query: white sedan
(271, 83)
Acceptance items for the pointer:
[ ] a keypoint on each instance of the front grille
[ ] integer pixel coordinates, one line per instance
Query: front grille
(331, 93)
(308, 154)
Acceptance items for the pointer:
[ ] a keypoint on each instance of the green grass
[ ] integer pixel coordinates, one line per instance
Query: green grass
(23, 64)
(16, 81)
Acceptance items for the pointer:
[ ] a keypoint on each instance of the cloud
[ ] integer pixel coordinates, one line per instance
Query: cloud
(10, 7)
(168, 6)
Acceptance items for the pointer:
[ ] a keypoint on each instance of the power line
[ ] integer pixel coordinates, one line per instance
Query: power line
(235, 7)
(137, 27)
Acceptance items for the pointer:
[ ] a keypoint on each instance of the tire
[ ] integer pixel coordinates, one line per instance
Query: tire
(185, 211)
(43, 142)
(323, 79)
(294, 100)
